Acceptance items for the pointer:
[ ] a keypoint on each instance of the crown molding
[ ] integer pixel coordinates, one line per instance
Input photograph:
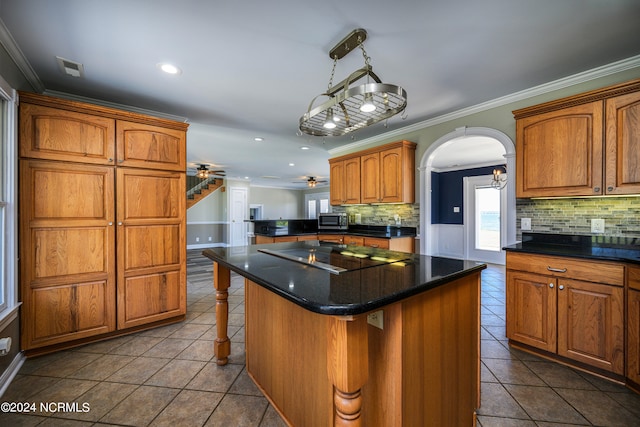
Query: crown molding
(115, 105)
(585, 76)
(10, 45)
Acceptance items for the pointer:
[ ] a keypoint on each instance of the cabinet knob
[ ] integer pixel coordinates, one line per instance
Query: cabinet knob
(551, 285)
(561, 287)
(110, 223)
(110, 159)
(120, 160)
(609, 189)
(596, 189)
(119, 222)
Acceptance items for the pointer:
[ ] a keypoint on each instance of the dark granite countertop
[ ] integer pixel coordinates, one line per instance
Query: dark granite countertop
(305, 227)
(372, 279)
(621, 249)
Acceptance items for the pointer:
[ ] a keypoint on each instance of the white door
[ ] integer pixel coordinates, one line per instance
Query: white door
(484, 220)
(238, 213)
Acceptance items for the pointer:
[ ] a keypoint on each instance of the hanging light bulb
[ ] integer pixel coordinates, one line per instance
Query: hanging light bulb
(367, 104)
(329, 123)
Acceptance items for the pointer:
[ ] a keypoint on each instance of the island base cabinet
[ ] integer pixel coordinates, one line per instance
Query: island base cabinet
(421, 369)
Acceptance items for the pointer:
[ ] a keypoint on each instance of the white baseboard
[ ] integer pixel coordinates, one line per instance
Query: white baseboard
(207, 245)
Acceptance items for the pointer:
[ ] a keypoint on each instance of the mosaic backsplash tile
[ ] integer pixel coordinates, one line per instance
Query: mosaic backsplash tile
(573, 216)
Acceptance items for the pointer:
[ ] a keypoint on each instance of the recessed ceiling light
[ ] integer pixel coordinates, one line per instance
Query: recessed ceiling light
(258, 139)
(292, 164)
(304, 147)
(169, 68)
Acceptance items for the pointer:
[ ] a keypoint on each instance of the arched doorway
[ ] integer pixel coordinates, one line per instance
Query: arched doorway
(426, 167)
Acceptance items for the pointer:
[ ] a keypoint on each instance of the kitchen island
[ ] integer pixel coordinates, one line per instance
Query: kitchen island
(349, 335)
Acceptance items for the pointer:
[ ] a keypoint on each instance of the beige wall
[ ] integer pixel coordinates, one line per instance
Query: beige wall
(278, 203)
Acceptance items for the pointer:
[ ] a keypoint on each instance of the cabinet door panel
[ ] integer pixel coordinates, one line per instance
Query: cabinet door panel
(352, 180)
(633, 336)
(147, 298)
(146, 146)
(148, 197)
(560, 153)
(151, 241)
(370, 178)
(67, 268)
(391, 175)
(69, 251)
(591, 324)
(151, 246)
(337, 183)
(622, 171)
(50, 133)
(531, 310)
(65, 312)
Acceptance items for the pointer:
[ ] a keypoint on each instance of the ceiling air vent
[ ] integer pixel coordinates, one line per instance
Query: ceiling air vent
(70, 68)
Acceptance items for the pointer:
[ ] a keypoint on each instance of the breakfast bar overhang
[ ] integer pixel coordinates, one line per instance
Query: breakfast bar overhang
(352, 336)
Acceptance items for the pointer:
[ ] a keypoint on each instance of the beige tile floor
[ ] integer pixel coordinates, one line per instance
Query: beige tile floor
(166, 376)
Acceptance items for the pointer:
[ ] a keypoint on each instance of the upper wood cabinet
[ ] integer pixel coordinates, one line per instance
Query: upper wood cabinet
(55, 134)
(622, 146)
(57, 129)
(386, 175)
(146, 146)
(584, 145)
(344, 181)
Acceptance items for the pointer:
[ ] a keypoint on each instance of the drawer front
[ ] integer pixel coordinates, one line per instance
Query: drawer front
(374, 242)
(634, 277)
(592, 271)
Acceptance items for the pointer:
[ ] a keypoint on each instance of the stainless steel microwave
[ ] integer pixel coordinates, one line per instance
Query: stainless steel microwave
(332, 221)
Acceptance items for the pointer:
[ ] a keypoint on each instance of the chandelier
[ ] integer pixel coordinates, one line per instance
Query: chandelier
(499, 180)
(350, 107)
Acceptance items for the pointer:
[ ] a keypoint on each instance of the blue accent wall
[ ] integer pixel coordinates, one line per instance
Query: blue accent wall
(447, 192)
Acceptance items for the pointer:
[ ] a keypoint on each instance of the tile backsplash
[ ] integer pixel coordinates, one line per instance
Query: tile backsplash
(573, 216)
(384, 214)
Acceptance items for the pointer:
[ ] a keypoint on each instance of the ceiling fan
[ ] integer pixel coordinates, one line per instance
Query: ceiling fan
(311, 182)
(203, 171)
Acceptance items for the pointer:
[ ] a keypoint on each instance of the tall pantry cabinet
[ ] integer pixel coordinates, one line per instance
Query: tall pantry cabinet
(102, 222)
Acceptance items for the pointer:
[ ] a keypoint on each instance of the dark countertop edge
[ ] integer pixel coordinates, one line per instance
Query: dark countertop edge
(341, 233)
(549, 250)
(348, 310)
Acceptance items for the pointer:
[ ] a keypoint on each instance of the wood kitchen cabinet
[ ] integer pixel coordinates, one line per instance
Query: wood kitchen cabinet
(102, 229)
(584, 145)
(386, 175)
(568, 307)
(344, 181)
(67, 251)
(622, 144)
(151, 244)
(633, 327)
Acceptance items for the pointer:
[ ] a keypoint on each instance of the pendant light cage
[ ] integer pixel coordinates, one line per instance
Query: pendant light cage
(345, 111)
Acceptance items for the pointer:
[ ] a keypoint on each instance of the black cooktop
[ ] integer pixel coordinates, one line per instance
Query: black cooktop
(337, 259)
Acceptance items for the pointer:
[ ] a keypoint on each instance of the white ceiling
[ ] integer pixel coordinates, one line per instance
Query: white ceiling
(251, 67)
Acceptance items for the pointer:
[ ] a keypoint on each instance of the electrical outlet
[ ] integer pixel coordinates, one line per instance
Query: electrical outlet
(525, 224)
(376, 319)
(210, 238)
(197, 239)
(597, 225)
